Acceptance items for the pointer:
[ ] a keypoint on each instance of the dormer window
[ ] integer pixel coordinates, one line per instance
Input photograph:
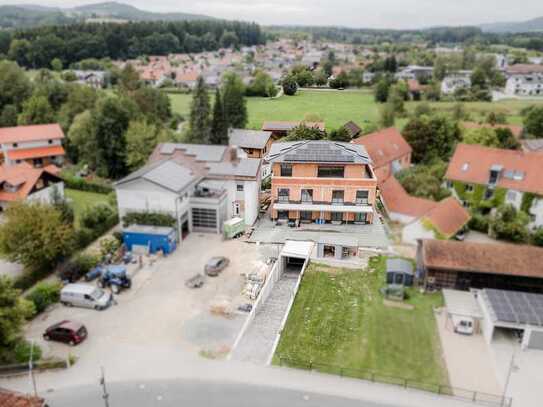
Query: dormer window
(465, 167)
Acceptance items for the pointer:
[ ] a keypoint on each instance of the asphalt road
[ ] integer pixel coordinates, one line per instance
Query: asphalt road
(181, 393)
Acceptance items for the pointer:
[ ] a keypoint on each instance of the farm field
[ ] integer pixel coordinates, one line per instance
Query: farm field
(339, 320)
(338, 107)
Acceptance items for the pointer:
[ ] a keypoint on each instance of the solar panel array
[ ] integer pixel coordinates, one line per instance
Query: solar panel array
(319, 153)
(516, 307)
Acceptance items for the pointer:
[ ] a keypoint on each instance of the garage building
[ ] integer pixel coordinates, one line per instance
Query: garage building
(513, 311)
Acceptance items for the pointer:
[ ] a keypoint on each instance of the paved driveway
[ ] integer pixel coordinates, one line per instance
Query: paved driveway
(159, 310)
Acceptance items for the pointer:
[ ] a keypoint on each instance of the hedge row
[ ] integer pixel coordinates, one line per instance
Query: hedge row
(148, 218)
(84, 185)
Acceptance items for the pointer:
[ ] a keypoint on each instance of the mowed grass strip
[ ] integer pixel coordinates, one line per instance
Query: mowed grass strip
(339, 319)
(81, 200)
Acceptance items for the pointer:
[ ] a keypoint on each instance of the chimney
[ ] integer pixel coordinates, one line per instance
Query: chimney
(234, 155)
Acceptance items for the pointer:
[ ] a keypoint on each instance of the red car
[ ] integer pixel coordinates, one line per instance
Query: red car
(69, 332)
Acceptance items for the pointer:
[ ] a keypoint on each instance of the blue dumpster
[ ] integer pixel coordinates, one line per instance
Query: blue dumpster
(155, 238)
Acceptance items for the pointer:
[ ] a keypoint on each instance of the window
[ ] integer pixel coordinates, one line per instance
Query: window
(237, 208)
(337, 197)
(362, 197)
(50, 141)
(307, 195)
(360, 218)
(511, 196)
(488, 194)
(282, 195)
(286, 170)
(331, 172)
(337, 216)
(449, 184)
(15, 145)
(239, 187)
(469, 188)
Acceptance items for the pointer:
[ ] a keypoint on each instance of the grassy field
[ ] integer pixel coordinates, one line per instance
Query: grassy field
(338, 107)
(80, 200)
(339, 319)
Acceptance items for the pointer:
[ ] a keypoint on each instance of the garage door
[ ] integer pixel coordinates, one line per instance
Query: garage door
(536, 340)
(203, 218)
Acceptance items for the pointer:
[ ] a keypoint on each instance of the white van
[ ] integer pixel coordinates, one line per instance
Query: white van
(86, 296)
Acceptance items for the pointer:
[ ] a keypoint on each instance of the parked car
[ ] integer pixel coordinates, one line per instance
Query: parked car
(215, 265)
(69, 332)
(86, 296)
(114, 277)
(94, 273)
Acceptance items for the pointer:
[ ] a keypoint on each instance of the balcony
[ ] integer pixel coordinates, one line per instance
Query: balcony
(316, 206)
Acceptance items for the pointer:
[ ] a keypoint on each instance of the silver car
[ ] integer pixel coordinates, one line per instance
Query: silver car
(86, 296)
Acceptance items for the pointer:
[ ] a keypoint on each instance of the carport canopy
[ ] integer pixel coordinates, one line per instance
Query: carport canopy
(462, 303)
(297, 249)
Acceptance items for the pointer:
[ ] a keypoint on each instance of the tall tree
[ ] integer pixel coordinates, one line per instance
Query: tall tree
(35, 235)
(199, 122)
(219, 125)
(36, 110)
(235, 107)
(111, 119)
(15, 87)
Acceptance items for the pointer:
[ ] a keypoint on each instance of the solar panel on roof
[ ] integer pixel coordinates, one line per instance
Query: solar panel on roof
(516, 307)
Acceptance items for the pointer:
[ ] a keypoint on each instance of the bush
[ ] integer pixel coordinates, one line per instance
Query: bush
(78, 267)
(479, 223)
(148, 218)
(81, 184)
(23, 349)
(44, 294)
(97, 216)
(537, 237)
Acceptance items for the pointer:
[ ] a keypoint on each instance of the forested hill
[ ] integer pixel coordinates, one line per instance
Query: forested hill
(36, 47)
(28, 16)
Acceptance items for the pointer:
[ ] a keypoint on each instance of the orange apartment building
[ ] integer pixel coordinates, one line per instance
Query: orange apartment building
(38, 145)
(322, 182)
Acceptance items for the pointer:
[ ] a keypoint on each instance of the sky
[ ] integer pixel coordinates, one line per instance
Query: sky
(396, 14)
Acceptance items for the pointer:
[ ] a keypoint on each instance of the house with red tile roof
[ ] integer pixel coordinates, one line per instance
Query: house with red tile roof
(21, 182)
(495, 176)
(38, 145)
(423, 218)
(388, 151)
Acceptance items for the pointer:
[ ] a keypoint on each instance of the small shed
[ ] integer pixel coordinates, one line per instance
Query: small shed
(154, 238)
(400, 272)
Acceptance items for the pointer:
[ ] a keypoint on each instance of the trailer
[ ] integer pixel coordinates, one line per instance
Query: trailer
(153, 238)
(233, 228)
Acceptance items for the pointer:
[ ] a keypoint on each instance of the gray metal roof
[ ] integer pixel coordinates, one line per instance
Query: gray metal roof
(249, 138)
(202, 152)
(165, 173)
(399, 266)
(318, 151)
(245, 167)
(514, 307)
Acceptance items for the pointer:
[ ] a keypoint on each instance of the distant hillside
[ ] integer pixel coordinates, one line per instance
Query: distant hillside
(25, 16)
(535, 24)
(127, 12)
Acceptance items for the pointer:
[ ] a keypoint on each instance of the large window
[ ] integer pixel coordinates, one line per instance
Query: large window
(337, 216)
(204, 218)
(360, 218)
(307, 195)
(337, 197)
(286, 170)
(331, 172)
(362, 197)
(282, 195)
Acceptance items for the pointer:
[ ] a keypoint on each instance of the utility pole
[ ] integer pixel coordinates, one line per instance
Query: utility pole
(105, 394)
(31, 370)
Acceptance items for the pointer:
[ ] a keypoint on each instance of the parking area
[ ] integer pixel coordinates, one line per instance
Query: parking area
(160, 311)
(468, 359)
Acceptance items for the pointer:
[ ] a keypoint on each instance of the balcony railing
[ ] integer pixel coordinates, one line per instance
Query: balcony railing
(333, 202)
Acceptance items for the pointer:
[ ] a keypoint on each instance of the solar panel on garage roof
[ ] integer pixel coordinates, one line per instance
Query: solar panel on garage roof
(516, 307)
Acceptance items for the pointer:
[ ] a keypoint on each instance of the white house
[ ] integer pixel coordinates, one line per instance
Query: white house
(460, 80)
(200, 185)
(415, 72)
(525, 85)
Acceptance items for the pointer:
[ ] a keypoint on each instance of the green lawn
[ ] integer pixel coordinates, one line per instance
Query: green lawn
(339, 319)
(338, 107)
(80, 200)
